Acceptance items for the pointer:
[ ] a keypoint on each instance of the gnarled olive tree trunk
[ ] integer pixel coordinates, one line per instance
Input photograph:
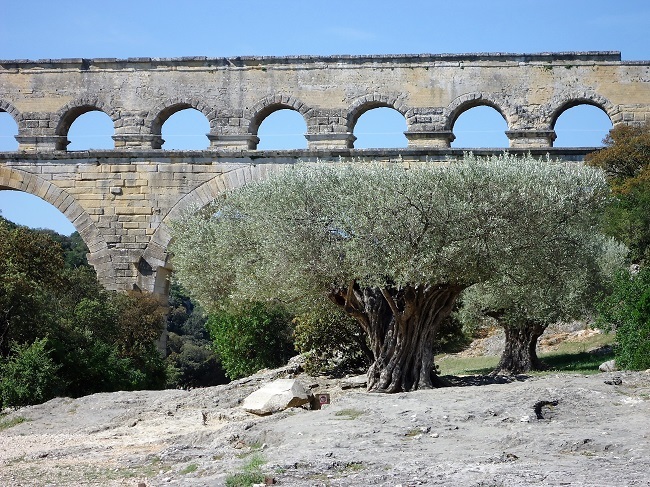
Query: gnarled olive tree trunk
(401, 324)
(520, 353)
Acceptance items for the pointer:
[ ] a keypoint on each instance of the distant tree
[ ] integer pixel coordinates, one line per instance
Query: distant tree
(31, 268)
(58, 321)
(191, 358)
(29, 376)
(392, 247)
(332, 341)
(526, 304)
(626, 162)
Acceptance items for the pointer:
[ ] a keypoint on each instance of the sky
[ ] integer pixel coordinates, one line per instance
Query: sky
(40, 29)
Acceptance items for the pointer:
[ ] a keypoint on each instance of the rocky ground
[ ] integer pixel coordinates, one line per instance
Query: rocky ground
(480, 432)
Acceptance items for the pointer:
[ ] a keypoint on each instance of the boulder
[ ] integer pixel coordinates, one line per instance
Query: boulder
(276, 396)
(609, 366)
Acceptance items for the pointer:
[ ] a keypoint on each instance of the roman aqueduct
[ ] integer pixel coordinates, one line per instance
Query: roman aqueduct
(122, 200)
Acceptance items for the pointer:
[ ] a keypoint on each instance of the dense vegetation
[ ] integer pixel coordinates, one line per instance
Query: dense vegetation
(251, 336)
(61, 333)
(626, 162)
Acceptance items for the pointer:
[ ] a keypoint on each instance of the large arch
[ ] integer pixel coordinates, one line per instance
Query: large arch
(159, 115)
(66, 116)
(99, 256)
(272, 103)
(156, 252)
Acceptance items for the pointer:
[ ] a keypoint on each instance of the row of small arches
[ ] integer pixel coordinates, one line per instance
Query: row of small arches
(478, 127)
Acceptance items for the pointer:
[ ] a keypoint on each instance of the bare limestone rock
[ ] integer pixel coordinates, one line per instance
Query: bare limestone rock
(276, 396)
(609, 366)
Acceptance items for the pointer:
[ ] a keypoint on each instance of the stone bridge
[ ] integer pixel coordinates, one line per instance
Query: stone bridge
(121, 201)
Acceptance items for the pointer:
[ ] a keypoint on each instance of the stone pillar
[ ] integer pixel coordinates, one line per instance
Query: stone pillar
(531, 138)
(438, 139)
(126, 141)
(233, 141)
(36, 133)
(330, 140)
(41, 143)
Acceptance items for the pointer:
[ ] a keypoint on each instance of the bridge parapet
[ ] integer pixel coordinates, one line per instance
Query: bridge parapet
(431, 91)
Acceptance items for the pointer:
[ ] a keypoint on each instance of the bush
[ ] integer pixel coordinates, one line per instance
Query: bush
(29, 376)
(627, 310)
(332, 341)
(251, 337)
(192, 363)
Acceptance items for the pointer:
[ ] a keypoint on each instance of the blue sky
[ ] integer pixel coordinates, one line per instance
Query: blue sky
(39, 29)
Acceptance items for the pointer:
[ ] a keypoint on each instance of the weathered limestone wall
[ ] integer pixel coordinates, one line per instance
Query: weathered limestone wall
(236, 94)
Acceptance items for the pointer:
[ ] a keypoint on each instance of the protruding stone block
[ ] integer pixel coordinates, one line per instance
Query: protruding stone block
(276, 396)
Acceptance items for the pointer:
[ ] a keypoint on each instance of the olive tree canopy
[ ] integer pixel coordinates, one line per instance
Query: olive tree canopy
(392, 245)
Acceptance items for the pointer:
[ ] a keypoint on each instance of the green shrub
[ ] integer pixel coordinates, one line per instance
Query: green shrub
(251, 337)
(29, 376)
(192, 363)
(627, 310)
(332, 341)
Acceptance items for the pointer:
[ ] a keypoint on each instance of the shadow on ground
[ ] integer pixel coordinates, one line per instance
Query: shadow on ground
(482, 380)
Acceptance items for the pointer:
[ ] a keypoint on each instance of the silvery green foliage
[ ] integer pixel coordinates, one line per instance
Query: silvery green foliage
(315, 227)
(564, 289)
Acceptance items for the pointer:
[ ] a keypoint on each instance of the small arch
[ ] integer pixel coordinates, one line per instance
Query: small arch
(380, 127)
(282, 129)
(479, 126)
(573, 99)
(157, 117)
(71, 111)
(5, 106)
(185, 129)
(589, 110)
(267, 105)
(8, 132)
(468, 101)
(91, 130)
(370, 102)
(582, 125)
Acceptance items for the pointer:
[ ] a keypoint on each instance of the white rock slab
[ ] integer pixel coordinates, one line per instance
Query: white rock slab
(276, 396)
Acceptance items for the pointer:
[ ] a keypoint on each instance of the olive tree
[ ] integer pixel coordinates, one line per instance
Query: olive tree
(392, 246)
(526, 303)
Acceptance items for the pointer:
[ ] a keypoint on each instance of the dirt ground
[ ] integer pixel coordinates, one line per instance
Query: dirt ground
(480, 432)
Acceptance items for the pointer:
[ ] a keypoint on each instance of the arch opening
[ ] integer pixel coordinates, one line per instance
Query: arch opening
(89, 129)
(581, 124)
(480, 126)
(8, 132)
(380, 128)
(281, 128)
(31, 211)
(184, 128)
